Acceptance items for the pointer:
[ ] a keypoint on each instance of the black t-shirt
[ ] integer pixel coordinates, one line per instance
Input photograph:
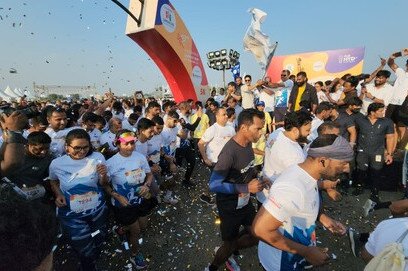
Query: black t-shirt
(347, 97)
(345, 121)
(211, 116)
(32, 172)
(236, 165)
(371, 137)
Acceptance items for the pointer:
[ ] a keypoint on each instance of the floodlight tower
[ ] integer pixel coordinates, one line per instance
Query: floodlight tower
(220, 60)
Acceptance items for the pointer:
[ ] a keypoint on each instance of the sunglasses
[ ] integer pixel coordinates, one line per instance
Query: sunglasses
(247, 80)
(283, 75)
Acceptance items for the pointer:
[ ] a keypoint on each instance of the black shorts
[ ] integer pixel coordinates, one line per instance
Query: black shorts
(232, 220)
(164, 165)
(128, 215)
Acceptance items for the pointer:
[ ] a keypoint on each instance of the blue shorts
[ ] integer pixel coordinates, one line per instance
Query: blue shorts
(80, 230)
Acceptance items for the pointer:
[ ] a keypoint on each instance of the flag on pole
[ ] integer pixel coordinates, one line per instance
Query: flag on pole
(236, 70)
(258, 42)
(268, 61)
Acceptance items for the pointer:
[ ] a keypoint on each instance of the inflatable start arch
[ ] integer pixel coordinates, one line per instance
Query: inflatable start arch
(165, 38)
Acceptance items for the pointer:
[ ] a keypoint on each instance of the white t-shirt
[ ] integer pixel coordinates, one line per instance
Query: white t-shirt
(321, 95)
(57, 146)
(293, 200)
(316, 122)
(153, 148)
(219, 99)
(247, 97)
(95, 136)
(238, 110)
(269, 143)
(141, 147)
(169, 136)
(128, 112)
(108, 137)
(384, 93)
(165, 116)
(282, 94)
(126, 125)
(284, 153)
(232, 124)
(79, 182)
(216, 136)
(117, 115)
(269, 101)
(400, 87)
(127, 174)
(388, 232)
(336, 95)
(290, 153)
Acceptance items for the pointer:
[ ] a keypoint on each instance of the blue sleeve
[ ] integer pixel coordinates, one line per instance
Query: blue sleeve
(218, 185)
(166, 150)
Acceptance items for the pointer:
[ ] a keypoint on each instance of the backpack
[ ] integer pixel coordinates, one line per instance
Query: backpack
(391, 258)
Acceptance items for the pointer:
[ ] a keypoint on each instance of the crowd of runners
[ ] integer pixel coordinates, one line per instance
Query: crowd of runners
(272, 148)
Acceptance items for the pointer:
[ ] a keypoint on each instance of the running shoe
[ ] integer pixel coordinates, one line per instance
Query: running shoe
(207, 199)
(170, 199)
(138, 261)
(354, 241)
(232, 264)
(118, 231)
(368, 207)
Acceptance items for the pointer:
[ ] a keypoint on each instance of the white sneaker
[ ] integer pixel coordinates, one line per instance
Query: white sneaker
(170, 200)
(368, 207)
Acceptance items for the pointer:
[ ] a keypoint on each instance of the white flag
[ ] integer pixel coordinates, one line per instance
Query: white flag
(256, 41)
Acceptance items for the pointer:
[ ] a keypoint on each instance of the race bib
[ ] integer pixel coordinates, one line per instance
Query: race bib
(155, 158)
(243, 199)
(84, 202)
(135, 177)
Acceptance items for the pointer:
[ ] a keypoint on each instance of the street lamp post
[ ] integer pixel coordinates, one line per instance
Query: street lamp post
(221, 60)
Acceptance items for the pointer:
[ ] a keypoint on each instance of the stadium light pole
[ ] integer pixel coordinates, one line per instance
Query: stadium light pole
(221, 60)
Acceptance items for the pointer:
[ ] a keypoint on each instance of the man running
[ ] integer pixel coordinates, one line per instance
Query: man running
(286, 222)
(233, 179)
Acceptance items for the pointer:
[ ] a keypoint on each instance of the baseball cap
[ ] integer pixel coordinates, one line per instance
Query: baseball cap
(260, 103)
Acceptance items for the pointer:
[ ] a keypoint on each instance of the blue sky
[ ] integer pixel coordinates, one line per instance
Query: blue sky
(84, 41)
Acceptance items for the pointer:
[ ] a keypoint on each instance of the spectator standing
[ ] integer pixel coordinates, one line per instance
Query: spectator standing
(304, 93)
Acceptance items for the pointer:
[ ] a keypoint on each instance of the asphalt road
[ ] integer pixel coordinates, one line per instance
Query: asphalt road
(183, 237)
